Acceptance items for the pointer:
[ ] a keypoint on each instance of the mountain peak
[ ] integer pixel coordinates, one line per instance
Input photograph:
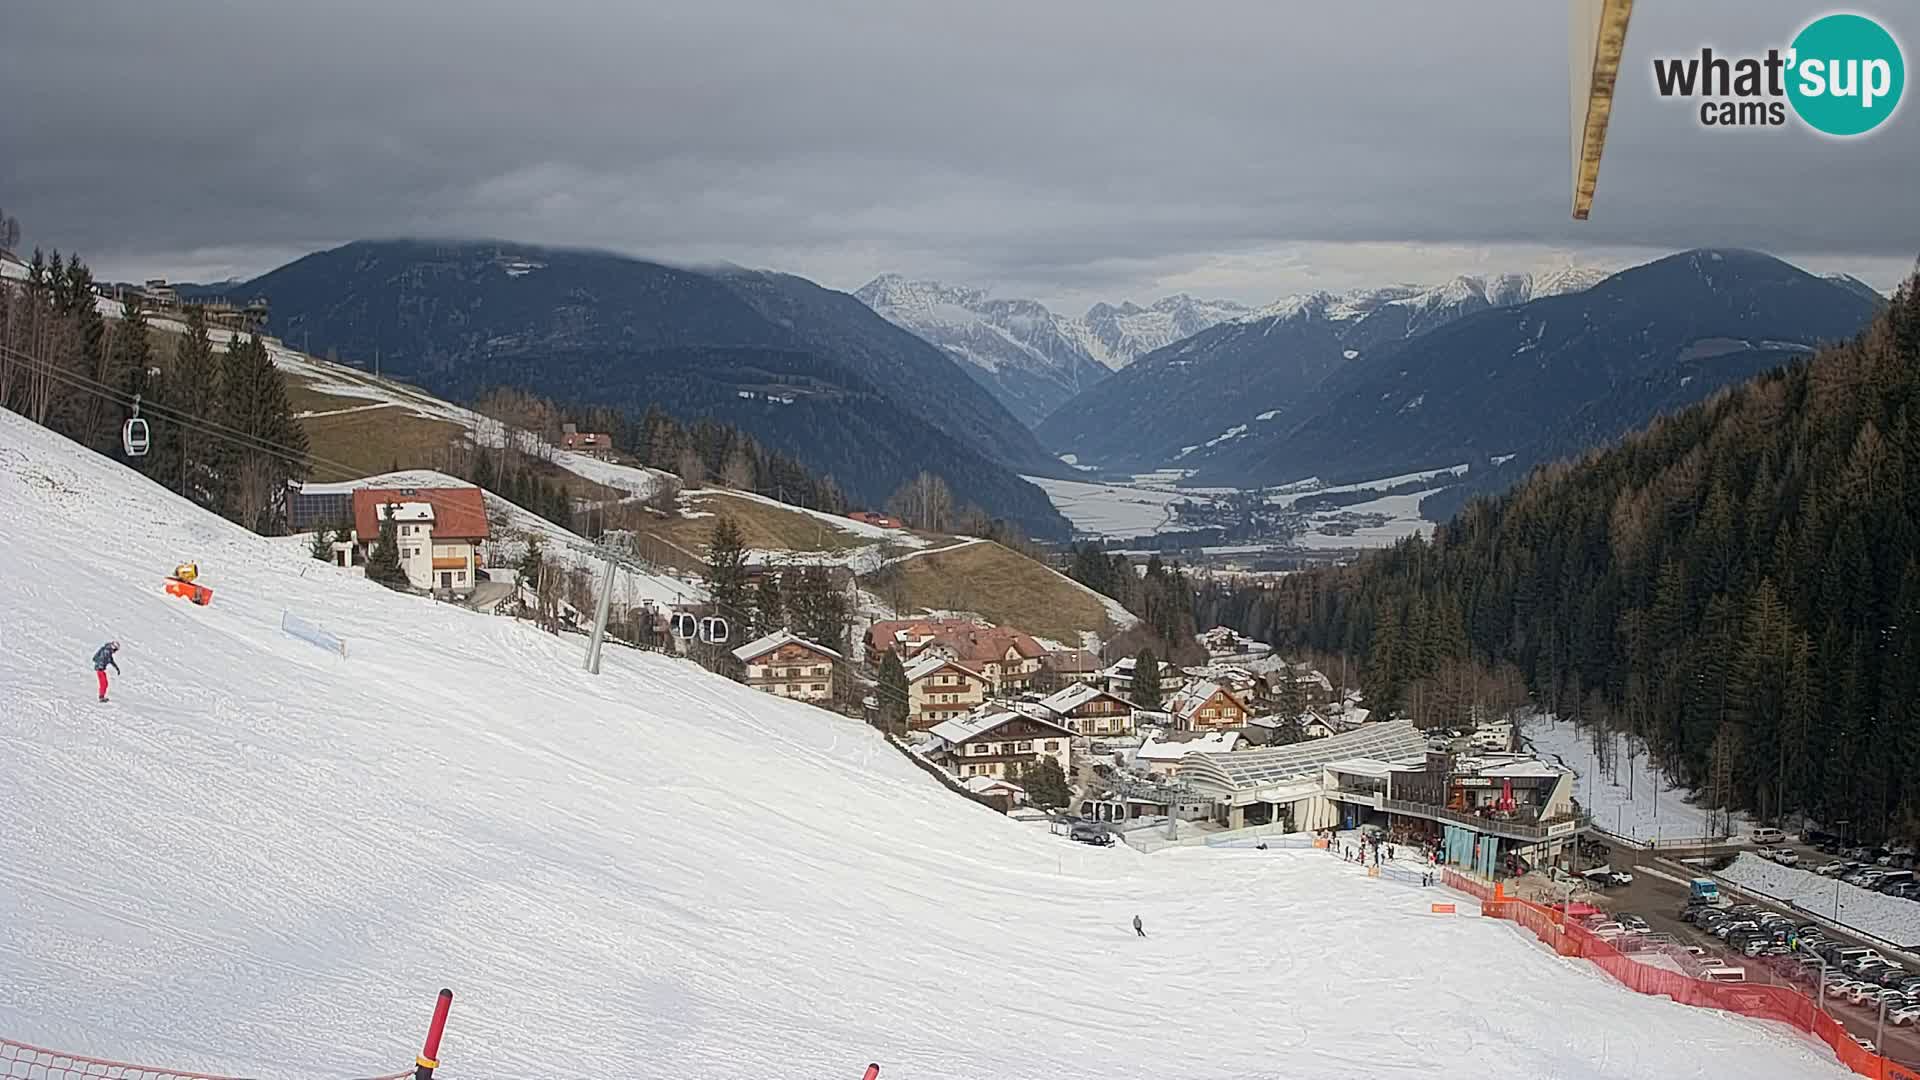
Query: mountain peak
(900, 291)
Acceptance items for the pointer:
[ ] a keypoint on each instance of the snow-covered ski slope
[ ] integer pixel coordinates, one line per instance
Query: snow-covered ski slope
(261, 859)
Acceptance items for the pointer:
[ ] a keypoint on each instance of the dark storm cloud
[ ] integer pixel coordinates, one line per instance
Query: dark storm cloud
(1062, 147)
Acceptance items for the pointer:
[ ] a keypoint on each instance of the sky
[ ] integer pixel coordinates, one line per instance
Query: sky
(1069, 151)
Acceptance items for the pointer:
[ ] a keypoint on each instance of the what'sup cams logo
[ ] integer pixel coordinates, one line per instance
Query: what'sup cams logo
(1842, 76)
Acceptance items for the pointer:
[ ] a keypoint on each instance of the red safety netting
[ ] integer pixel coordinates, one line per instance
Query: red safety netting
(1782, 1003)
(19, 1061)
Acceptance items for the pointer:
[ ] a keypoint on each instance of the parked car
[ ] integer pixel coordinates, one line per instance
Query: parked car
(1786, 857)
(1863, 994)
(1090, 832)
(1865, 1044)
(1766, 834)
(1832, 869)
(1631, 921)
(1904, 1015)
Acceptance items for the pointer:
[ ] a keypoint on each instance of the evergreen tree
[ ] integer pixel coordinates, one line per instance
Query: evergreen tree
(273, 454)
(322, 546)
(383, 562)
(189, 466)
(820, 610)
(893, 693)
(1046, 783)
(1290, 697)
(726, 575)
(769, 605)
(1146, 680)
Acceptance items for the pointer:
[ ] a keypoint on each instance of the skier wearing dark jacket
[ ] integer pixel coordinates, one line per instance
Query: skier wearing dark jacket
(101, 658)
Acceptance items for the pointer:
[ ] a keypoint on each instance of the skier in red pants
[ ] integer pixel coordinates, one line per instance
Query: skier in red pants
(101, 658)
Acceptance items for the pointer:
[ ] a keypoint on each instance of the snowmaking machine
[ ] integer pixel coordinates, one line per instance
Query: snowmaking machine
(184, 583)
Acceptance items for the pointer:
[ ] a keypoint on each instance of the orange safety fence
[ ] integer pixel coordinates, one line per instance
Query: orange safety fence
(1459, 882)
(20, 1061)
(1781, 1003)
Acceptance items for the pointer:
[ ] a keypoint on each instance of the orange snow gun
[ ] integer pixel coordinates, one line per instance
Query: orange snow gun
(187, 590)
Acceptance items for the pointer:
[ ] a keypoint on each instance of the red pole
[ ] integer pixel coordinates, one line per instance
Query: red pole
(427, 1061)
(873, 1072)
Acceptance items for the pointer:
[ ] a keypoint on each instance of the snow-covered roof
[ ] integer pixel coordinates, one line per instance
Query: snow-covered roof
(405, 511)
(1073, 697)
(981, 785)
(1218, 742)
(961, 729)
(927, 665)
(773, 641)
(1189, 700)
(1532, 769)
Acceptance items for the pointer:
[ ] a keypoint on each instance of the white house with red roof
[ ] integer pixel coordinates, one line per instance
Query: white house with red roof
(440, 531)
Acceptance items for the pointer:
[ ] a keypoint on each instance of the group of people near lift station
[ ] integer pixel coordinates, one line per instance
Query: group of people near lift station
(1368, 849)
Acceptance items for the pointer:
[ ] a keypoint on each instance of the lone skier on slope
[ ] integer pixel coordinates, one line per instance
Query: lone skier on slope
(1137, 928)
(101, 659)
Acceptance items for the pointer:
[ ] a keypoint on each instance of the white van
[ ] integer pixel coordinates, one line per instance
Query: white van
(1724, 974)
(1767, 835)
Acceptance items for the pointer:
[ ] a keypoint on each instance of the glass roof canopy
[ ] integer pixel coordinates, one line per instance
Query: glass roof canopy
(1396, 740)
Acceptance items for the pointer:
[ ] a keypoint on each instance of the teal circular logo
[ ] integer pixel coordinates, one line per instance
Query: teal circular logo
(1847, 74)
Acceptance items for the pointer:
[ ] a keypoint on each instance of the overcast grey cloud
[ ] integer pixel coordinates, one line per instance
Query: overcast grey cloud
(1066, 149)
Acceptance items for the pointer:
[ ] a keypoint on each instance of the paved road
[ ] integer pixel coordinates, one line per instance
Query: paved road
(1660, 901)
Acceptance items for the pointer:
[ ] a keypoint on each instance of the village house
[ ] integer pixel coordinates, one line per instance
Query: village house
(906, 636)
(1224, 643)
(939, 689)
(869, 517)
(1004, 795)
(440, 532)
(593, 444)
(1325, 721)
(1313, 686)
(1010, 659)
(1071, 666)
(789, 667)
(1089, 710)
(1000, 745)
(1207, 706)
(1118, 679)
(1250, 688)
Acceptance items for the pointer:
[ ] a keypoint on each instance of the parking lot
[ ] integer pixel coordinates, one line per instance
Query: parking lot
(1658, 894)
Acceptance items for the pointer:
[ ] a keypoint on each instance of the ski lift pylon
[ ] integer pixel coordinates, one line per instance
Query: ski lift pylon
(134, 437)
(714, 630)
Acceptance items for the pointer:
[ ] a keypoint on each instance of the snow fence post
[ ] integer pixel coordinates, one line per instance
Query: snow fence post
(873, 1071)
(426, 1062)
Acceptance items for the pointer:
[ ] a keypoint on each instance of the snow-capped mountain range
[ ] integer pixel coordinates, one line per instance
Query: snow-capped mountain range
(1031, 358)
(1167, 405)
(1430, 305)
(1036, 360)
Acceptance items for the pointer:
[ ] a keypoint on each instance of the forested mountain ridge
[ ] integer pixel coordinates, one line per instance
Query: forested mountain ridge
(1738, 585)
(812, 373)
